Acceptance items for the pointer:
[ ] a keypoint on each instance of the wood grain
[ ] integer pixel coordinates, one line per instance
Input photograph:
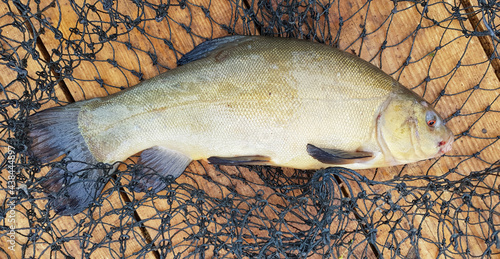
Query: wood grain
(143, 51)
(137, 52)
(404, 39)
(12, 89)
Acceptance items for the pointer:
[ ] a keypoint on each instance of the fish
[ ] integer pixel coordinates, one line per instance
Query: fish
(240, 100)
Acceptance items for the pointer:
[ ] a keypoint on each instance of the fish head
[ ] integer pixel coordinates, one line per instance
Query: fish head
(410, 130)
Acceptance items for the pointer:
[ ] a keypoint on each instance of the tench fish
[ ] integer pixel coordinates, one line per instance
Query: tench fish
(240, 100)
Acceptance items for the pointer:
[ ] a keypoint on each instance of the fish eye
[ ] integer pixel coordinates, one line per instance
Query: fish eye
(431, 119)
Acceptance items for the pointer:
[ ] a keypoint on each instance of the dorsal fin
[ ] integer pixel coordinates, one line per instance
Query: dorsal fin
(207, 47)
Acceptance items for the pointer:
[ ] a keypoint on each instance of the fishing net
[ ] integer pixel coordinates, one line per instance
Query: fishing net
(56, 52)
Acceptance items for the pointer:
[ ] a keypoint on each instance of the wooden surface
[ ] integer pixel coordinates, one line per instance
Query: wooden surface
(94, 79)
(22, 223)
(434, 66)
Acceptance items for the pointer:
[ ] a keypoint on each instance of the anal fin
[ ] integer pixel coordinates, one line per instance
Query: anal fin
(240, 160)
(337, 156)
(159, 162)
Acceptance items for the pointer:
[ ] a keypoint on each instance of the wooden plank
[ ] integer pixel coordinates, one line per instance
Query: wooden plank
(256, 212)
(143, 50)
(477, 18)
(435, 64)
(179, 228)
(131, 52)
(13, 32)
(305, 26)
(442, 63)
(59, 226)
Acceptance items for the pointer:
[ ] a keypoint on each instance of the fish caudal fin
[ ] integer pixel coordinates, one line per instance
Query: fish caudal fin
(159, 162)
(55, 133)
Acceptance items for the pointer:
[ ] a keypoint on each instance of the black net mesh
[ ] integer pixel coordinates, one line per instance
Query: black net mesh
(56, 52)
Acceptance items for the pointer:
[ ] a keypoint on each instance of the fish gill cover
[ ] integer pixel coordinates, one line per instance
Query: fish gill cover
(57, 52)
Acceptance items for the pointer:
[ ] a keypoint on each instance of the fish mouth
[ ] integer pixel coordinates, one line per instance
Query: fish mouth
(445, 146)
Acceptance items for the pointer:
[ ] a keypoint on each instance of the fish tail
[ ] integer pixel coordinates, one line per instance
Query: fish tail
(54, 133)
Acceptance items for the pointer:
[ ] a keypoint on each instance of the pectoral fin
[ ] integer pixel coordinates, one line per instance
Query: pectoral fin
(240, 160)
(337, 156)
(159, 162)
